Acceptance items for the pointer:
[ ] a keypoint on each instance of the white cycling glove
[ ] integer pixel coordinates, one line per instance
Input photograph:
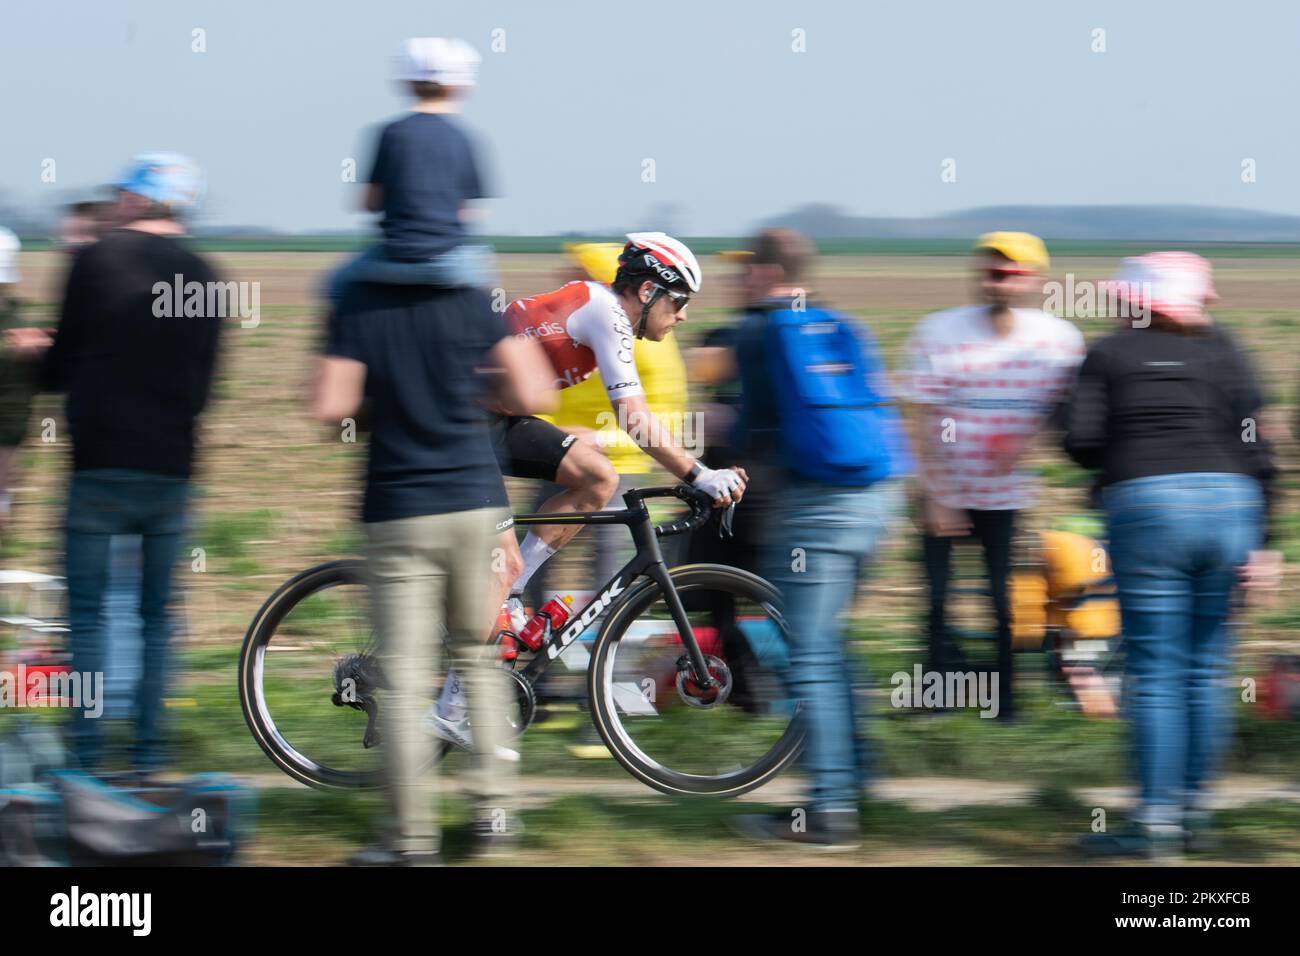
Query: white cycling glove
(718, 483)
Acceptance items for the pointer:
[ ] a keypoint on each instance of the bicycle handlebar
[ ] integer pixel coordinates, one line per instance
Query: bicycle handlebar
(701, 507)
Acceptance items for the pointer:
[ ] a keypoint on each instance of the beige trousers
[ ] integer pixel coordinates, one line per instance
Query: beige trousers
(426, 574)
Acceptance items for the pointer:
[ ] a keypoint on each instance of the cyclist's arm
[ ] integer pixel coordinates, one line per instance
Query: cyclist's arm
(654, 437)
(602, 326)
(725, 486)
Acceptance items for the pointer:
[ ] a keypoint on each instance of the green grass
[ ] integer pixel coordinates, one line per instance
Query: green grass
(590, 829)
(1051, 745)
(348, 541)
(225, 540)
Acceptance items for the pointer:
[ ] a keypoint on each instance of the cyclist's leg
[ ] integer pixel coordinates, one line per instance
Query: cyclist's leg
(589, 481)
(507, 565)
(537, 449)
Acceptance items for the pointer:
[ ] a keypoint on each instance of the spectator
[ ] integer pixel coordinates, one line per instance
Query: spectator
(985, 379)
(434, 503)
(17, 371)
(826, 526)
(424, 179)
(81, 226)
(83, 223)
(1168, 411)
(136, 383)
(711, 368)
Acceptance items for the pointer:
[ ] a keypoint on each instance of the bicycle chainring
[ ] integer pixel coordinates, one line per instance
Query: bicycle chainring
(526, 698)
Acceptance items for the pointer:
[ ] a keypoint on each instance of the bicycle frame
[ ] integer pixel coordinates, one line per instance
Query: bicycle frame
(648, 561)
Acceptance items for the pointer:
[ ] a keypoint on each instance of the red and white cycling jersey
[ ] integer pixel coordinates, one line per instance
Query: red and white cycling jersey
(582, 328)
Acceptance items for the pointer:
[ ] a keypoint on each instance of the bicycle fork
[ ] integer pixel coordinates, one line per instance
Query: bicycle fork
(646, 539)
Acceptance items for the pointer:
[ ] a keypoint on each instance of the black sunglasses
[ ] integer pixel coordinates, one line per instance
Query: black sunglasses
(680, 300)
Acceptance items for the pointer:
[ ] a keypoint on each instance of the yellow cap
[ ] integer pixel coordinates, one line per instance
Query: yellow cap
(598, 259)
(1022, 247)
(736, 255)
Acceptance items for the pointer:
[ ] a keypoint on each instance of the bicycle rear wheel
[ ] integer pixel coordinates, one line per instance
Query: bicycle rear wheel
(312, 640)
(678, 738)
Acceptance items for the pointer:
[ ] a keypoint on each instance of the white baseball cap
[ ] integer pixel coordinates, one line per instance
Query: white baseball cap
(9, 248)
(447, 61)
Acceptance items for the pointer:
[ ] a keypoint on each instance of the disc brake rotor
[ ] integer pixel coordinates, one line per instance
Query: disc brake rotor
(704, 697)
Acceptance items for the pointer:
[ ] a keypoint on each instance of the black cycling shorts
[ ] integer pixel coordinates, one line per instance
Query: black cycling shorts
(528, 447)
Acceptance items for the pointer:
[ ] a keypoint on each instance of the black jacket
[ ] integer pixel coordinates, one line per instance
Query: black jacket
(136, 379)
(1158, 402)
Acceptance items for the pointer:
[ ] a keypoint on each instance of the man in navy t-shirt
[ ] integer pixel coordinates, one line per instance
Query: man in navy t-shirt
(434, 505)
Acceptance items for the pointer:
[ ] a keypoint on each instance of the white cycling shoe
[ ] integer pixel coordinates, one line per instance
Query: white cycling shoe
(455, 732)
(458, 734)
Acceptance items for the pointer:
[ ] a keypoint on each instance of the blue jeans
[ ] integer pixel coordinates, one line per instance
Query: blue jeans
(1176, 543)
(816, 547)
(465, 266)
(122, 626)
(103, 503)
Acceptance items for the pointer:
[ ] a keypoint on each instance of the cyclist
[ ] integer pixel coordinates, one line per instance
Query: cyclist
(584, 327)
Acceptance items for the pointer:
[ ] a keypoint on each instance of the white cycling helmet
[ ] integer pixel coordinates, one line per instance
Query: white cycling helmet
(663, 260)
(664, 256)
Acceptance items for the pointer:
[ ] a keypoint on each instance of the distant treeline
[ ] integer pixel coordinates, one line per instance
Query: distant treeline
(711, 245)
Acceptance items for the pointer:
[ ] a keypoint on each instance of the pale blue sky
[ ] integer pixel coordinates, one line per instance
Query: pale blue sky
(740, 127)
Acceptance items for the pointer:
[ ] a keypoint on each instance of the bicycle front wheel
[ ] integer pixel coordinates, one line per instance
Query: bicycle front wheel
(676, 737)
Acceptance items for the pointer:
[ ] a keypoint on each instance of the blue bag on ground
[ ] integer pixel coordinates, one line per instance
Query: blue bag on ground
(57, 817)
(837, 425)
(193, 822)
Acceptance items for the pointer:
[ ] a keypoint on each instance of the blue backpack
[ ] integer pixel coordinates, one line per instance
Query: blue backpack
(836, 426)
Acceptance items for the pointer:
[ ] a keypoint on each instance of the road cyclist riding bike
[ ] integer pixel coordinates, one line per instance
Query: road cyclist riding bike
(683, 706)
(583, 327)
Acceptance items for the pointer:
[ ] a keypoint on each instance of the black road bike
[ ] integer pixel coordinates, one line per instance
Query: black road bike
(684, 679)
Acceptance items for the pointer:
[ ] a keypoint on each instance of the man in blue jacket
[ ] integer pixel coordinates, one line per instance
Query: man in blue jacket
(834, 510)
